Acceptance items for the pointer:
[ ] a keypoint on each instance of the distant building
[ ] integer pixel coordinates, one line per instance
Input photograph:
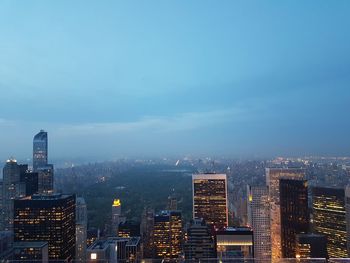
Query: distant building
(116, 214)
(12, 187)
(200, 242)
(210, 198)
(40, 150)
(235, 243)
(40, 163)
(172, 202)
(129, 228)
(167, 234)
(329, 218)
(311, 246)
(81, 230)
(31, 252)
(48, 218)
(294, 214)
(273, 177)
(259, 220)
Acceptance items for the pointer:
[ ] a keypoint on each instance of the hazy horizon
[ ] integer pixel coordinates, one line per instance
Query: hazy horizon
(232, 78)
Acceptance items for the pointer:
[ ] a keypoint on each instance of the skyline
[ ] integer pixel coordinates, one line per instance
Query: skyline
(120, 79)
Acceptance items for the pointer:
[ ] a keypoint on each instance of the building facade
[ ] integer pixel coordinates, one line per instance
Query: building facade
(273, 176)
(294, 214)
(329, 218)
(210, 198)
(48, 218)
(259, 220)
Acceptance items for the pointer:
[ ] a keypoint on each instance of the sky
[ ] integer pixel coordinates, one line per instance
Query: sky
(113, 79)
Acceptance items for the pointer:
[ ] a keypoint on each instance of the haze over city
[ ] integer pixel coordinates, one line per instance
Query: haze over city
(113, 79)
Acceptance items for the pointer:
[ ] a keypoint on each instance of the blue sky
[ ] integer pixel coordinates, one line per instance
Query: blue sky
(126, 78)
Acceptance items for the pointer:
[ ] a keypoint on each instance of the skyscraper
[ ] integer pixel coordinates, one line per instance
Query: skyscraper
(329, 218)
(210, 198)
(311, 246)
(12, 188)
(259, 220)
(116, 214)
(347, 208)
(294, 214)
(147, 232)
(40, 150)
(40, 163)
(200, 242)
(80, 229)
(273, 176)
(48, 218)
(167, 234)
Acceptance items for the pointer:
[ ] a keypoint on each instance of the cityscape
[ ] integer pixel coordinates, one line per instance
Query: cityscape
(183, 131)
(284, 208)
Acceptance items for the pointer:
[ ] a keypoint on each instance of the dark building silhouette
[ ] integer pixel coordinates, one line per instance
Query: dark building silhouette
(311, 246)
(329, 218)
(129, 228)
(48, 218)
(200, 243)
(294, 214)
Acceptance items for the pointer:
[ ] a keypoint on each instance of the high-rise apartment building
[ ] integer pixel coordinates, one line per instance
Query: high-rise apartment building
(48, 218)
(167, 235)
(210, 198)
(116, 214)
(147, 233)
(273, 177)
(347, 208)
(294, 214)
(259, 219)
(200, 243)
(329, 218)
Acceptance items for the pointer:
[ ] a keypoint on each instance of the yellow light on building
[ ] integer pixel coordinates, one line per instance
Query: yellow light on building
(116, 202)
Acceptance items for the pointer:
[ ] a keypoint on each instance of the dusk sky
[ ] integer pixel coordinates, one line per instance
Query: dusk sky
(152, 78)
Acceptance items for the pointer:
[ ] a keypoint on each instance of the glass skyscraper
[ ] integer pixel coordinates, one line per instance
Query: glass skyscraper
(40, 150)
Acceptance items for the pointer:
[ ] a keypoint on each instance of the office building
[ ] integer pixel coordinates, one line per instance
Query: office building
(294, 214)
(210, 198)
(129, 228)
(311, 246)
(235, 243)
(80, 230)
(329, 218)
(12, 187)
(347, 209)
(259, 220)
(48, 218)
(45, 179)
(147, 233)
(31, 252)
(167, 236)
(273, 177)
(200, 243)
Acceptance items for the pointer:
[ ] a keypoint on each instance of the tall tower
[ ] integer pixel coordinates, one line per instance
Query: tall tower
(273, 176)
(12, 188)
(40, 163)
(40, 150)
(48, 218)
(294, 214)
(210, 198)
(329, 218)
(259, 220)
(167, 234)
(80, 229)
(116, 214)
(347, 208)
